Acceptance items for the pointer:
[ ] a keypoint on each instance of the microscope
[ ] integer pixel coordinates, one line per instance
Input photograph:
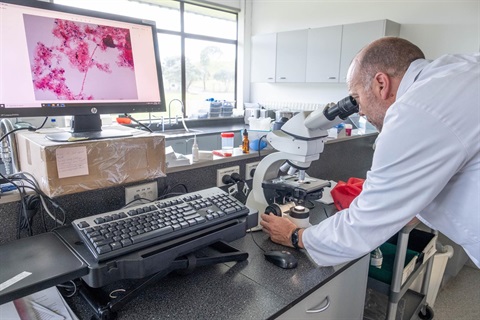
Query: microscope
(280, 184)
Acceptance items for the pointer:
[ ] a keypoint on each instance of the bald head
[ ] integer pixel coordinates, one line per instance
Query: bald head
(389, 55)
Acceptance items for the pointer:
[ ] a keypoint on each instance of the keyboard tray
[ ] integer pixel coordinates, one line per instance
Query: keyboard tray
(119, 232)
(156, 258)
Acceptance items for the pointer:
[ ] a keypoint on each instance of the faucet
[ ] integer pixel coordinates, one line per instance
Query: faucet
(176, 116)
(170, 110)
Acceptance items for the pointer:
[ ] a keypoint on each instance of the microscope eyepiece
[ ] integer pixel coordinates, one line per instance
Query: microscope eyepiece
(344, 108)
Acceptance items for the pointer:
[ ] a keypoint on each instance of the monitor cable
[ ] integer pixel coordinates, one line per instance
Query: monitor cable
(30, 204)
(138, 122)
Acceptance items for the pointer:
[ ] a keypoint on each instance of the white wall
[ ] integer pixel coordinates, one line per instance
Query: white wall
(437, 27)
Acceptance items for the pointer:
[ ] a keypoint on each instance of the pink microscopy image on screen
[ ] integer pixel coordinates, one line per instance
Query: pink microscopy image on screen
(79, 61)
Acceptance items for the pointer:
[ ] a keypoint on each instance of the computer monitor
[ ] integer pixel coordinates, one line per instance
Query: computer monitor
(57, 60)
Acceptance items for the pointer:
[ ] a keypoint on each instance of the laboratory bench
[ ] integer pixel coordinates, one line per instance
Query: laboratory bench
(250, 289)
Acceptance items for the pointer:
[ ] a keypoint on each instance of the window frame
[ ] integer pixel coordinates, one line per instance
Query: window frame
(185, 35)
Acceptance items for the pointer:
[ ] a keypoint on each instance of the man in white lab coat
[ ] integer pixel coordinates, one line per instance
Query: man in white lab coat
(427, 158)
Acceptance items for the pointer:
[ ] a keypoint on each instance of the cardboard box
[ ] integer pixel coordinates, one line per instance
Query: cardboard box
(71, 167)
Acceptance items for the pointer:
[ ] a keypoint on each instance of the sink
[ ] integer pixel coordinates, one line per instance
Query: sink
(180, 132)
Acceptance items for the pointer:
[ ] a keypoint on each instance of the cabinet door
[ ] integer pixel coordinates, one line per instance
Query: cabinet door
(264, 49)
(341, 298)
(291, 56)
(357, 35)
(323, 54)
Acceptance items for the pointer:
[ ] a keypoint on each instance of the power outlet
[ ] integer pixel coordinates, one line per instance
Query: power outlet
(224, 172)
(249, 168)
(147, 191)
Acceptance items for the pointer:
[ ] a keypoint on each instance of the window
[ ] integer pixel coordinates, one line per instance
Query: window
(199, 59)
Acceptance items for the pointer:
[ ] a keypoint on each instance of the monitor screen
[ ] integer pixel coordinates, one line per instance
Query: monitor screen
(57, 60)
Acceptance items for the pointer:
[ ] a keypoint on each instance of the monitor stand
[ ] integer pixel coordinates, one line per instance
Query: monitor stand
(87, 127)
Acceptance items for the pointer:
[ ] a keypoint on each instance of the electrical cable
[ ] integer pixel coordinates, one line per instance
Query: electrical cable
(135, 200)
(168, 189)
(70, 290)
(113, 293)
(43, 196)
(29, 128)
(30, 204)
(259, 144)
(138, 122)
(255, 241)
(25, 218)
(171, 194)
(41, 126)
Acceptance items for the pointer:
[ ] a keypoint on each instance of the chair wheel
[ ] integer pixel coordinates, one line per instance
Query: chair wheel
(428, 313)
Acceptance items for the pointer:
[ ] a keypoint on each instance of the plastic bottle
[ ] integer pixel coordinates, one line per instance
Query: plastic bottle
(195, 150)
(245, 142)
(376, 258)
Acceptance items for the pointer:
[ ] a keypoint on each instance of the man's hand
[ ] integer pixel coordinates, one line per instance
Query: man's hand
(280, 229)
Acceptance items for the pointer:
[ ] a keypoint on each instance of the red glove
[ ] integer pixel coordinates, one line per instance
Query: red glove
(344, 192)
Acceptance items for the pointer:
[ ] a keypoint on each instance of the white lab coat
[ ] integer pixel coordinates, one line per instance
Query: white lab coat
(426, 162)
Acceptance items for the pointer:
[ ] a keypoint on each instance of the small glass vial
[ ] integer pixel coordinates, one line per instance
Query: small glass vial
(245, 142)
(348, 130)
(376, 258)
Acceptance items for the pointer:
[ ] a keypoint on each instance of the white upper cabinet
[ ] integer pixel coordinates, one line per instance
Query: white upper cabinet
(323, 54)
(357, 35)
(264, 51)
(291, 56)
(314, 55)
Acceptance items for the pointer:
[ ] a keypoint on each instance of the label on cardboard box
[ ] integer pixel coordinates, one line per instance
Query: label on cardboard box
(72, 162)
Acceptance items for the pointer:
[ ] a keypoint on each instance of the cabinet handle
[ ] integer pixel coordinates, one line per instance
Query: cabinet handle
(322, 308)
(283, 78)
(332, 78)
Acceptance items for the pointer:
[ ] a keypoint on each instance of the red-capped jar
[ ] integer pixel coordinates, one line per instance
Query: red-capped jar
(227, 141)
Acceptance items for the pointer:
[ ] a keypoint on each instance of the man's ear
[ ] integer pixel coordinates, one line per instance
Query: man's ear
(383, 85)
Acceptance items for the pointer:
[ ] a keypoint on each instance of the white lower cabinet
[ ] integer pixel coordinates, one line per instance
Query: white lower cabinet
(343, 297)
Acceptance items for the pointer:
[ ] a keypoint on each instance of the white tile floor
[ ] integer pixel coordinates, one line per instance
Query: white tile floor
(459, 299)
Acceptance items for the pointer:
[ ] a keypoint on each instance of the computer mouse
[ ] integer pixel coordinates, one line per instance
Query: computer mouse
(282, 259)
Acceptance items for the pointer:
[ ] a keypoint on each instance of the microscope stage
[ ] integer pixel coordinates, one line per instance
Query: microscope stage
(309, 184)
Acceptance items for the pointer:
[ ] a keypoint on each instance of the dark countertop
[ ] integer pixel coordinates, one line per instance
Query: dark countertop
(250, 289)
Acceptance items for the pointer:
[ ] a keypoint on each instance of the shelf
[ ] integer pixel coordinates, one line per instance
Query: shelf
(414, 301)
(385, 288)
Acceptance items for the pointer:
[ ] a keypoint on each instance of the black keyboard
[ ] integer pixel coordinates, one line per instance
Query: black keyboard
(112, 234)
